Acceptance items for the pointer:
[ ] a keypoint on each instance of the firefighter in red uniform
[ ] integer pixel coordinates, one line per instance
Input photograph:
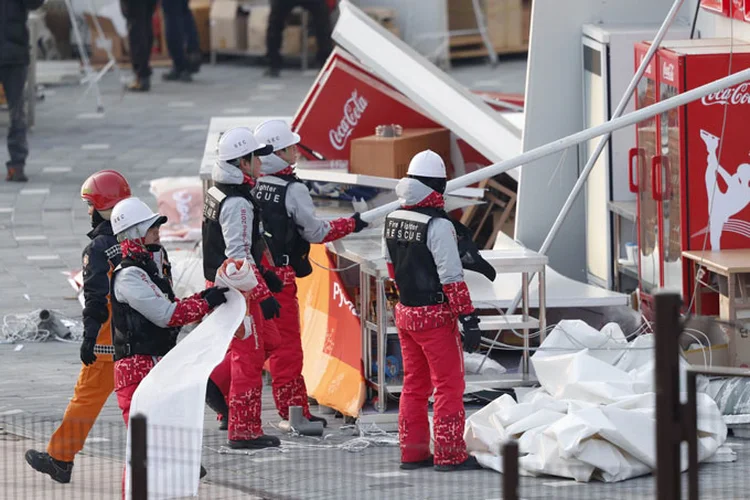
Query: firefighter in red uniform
(290, 225)
(101, 192)
(421, 248)
(146, 315)
(232, 230)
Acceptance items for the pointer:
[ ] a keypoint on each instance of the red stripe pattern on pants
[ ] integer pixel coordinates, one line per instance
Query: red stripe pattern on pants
(433, 359)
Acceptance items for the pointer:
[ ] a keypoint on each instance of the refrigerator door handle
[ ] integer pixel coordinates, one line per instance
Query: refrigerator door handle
(656, 193)
(633, 155)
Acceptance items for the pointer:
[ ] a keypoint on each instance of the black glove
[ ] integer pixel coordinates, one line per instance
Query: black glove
(359, 224)
(87, 351)
(274, 282)
(472, 333)
(270, 308)
(214, 295)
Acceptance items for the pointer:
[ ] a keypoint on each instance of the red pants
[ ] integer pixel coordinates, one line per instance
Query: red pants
(240, 375)
(128, 374)
(432, 358)
(286, 359)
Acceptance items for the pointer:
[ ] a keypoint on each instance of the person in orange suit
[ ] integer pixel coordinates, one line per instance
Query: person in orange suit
(100, 192)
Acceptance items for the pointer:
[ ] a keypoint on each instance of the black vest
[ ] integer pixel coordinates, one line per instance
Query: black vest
(214, 246)
(132, 332)
(416, 273)
(286, 244)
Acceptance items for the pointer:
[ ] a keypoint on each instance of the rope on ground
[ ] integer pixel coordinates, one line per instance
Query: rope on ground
(40, 325)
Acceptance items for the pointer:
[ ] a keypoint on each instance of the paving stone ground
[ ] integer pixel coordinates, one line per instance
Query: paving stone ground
(42, 228)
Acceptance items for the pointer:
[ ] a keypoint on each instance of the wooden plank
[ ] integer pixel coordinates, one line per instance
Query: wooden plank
(463, 40)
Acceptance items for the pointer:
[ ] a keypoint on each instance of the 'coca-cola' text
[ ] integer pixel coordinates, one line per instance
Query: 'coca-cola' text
(354, 107)
(733, 95)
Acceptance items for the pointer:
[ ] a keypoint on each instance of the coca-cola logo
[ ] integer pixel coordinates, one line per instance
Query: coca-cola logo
(667, 72)
(732, 95)
(354, 107)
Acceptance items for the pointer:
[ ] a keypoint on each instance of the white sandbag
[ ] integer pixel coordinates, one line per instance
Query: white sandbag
(472, 361)
(172, 398)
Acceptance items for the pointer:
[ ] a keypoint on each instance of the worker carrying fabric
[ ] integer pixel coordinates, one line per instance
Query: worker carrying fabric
(146, 315)
(422, 253)
(290, 225)
(232, 230)
(101, 192)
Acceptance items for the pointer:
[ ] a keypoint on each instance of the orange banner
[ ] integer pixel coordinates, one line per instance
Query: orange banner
(331, 338)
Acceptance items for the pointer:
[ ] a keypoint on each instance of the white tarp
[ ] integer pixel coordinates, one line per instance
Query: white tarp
(594, 415)
(172, 399)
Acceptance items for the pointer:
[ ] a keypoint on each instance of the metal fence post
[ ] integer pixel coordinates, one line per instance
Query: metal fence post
(138, 457)
(510, 470)
(668, 421)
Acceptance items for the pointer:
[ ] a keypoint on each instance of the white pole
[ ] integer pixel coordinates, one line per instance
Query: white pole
(577, 138)
(603, 142)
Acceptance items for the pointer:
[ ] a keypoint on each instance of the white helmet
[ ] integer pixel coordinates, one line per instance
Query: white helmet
(427, 164)
(238, 142)
(276, 133)
(133, 213)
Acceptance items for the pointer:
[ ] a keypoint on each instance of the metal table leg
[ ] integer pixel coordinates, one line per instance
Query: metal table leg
(525, 299)
(542, 278)
(365, 331)
(382, 330)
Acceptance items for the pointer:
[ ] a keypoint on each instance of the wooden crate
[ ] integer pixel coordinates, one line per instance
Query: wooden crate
(508, 23)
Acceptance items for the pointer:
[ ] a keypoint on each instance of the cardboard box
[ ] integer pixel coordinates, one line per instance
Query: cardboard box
(201, 10)
(390, 156)
(228, 25)
(526, 19)
(504, 23)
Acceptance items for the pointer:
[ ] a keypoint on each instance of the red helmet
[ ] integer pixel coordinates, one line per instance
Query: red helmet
(104, 189)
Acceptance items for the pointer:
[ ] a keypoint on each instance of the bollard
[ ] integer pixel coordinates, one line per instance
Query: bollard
(510, 470)
(138, 457)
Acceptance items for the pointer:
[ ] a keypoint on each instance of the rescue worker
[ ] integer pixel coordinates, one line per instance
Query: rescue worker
(421, 250)
(231, 229)
(290, 225)
(101, 192)
(146, 316)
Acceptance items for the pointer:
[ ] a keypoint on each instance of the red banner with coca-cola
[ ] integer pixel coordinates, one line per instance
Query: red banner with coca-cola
(348, 104)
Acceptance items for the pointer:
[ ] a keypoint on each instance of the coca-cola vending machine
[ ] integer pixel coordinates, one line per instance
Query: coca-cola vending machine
(691, 166)
(730, 8)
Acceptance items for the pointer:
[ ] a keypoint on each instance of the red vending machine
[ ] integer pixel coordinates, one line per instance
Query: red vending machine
(729, 8)
(691, 166)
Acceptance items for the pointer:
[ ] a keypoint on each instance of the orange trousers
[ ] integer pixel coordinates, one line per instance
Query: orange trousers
(95, 383)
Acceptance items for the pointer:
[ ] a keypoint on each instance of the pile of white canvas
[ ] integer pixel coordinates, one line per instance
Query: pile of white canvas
(594, 415)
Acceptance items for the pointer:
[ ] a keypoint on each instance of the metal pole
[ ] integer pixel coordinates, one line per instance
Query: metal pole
(138, 457)
(581, 181)
(510, 471)
(668, 428)
(577, 138)
(690, 426)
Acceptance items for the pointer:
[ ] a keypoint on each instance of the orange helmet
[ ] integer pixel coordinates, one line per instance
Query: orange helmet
(104, 189)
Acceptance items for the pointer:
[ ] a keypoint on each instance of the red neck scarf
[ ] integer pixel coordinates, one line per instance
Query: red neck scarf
(134, 249)
(433, 200)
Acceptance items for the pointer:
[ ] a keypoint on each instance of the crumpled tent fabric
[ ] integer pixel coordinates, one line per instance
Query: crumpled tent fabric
(593, 417)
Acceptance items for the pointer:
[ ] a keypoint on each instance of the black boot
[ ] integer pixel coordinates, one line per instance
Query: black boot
(16, 174)
(272, 72)
(314, 418)
(428, 462)
(42, 462)
(215, 400)
(469, 464)
(142, 84)
(194, 62)
(263, 441)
